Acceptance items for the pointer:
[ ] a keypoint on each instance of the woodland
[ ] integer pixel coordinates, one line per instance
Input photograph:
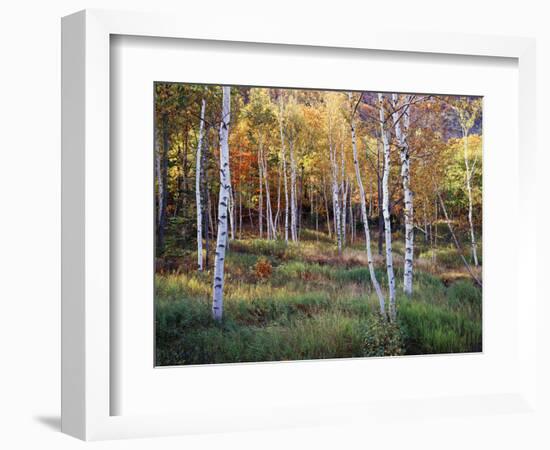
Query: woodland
(296, 224)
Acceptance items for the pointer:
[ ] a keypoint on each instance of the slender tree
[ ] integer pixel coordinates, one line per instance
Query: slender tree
(401, 121)
(198, 186)
(386, 209)
(467, 113)
(283, 157)
(335, 193)
(221, 242)
(162, 165)
(363, 204)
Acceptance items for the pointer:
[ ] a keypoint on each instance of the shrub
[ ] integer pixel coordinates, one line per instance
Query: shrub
(263, 268)
(382, 338)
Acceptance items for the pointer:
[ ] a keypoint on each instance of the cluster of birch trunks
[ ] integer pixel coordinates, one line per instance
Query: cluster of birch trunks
(323, 133)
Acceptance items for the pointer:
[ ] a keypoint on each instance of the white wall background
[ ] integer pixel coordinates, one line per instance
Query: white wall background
(30, 202)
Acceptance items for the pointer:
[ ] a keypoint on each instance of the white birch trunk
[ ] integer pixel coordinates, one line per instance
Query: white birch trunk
(283, 157)
(271, 233)
(293, 211)
(335, 193)
(401, 121)
(386, 211)
(469, 191)
(231, 206)
(277, 214)
(329, 226)
(351, 218)
(217, 300)
(344, 193)
(198, 187)
(159, 181)
(363, 204)
(344, 211)
(261, 197)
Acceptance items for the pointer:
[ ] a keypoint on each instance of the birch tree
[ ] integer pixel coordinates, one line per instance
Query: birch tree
(162, 170)
(386, 209)
(334, 183)
(292, 130)
(198, 186)
(283, 157)
(271, 233)
(467, 113)
(293, 200)
(363, 204)
(344, 185)
(401, 121)
(261, 196)
(221, 241)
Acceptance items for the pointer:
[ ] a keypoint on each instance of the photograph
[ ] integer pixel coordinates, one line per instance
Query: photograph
(304, 224)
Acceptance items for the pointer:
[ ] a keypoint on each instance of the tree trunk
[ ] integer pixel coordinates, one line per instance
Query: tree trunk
(162, 185)
(326, 208)
(363, 204)
(386, 212)
(283, 156)
(293, 212)
(300, 203)
(198, 187)
(185, 164)
(469, 191)
(343, 193)
(217, 300)
(240, 214)
(335, 195)
(231, 207)
(261, 197)
(271, 234)
(277, 214)
(206, 198)
(401, 125)
(344, 211)
(380, 201)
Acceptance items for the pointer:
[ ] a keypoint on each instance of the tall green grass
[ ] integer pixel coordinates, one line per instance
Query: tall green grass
(307, 310)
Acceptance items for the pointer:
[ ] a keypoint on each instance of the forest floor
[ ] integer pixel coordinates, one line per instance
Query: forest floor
(303, 301)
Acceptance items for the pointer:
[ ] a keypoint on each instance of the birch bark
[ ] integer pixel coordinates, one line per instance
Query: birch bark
(162, 182)
(467, 120)
(386, 210)
(469, 190)
(344, 193)
(271, 234)
(335, 193)
(198, 187)
(293, 212)
(363, 204)
(261, 197)
(401, 120)
(329, 226)
(217, 300)
(283, 156)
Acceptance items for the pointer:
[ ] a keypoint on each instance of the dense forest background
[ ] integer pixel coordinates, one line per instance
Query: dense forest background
(298, 224)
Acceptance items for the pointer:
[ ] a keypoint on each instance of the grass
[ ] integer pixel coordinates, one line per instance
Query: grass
(310, 304)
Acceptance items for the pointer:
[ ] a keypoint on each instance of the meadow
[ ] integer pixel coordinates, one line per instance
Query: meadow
(302, 300)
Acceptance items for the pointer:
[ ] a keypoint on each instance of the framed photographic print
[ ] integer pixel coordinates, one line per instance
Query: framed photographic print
(267, 229)
(271, 267)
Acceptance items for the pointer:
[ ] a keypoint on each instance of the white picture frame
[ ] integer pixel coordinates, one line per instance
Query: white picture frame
(86, 326)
